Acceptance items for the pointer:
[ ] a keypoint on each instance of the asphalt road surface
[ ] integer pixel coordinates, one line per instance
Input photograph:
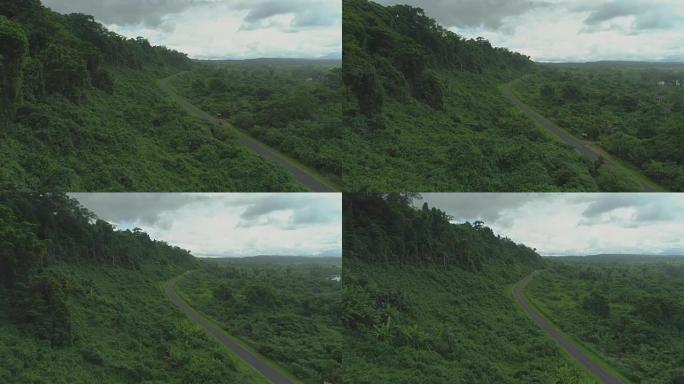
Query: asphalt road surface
(249, 358)
(261, 149)
(565, 137)
(560, 133)
(600, 374)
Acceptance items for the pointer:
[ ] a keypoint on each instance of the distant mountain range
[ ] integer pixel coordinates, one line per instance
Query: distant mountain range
(277, 259)
(618, 257)
(278, 61)
(617, 64)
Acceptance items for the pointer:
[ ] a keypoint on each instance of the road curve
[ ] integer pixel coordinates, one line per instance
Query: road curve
(261, 149)
(564, 136)
(581, 146)
(257, 363)
(599, 373)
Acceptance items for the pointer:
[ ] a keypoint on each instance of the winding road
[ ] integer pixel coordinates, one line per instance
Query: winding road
(581, 146)
(302, 175)
(248, 357)
(599, 373)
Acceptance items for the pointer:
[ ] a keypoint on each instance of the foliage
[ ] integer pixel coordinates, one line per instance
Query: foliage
(90, 115)
(428, 301)
(386, 228)
(630, 312)
(13, 50)
(423, 111)
(621, 107)
(81, 302)
(431, 325)
(287, 311)
(294, 107)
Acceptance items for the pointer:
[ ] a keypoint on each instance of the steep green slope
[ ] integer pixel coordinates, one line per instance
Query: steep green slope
(82, 111)
(82, 303)
(621, 107)
(630, 312)
(428, 301)
(424, 112)
(289, 313)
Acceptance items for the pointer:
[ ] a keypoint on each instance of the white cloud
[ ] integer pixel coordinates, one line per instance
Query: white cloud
(568, 30)
(225, 29)
(577, 224)
(232, 224)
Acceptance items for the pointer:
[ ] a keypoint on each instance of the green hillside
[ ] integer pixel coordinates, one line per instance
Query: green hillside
(428, 301)
(81, 110)
(424, 111)
(81, 302)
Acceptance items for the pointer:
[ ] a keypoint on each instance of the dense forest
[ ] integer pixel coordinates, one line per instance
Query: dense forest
(294, 106)
(635, 111)
(425, 300)
(630, 311)
(288, 312)
(81, 110)
(424, 111)
(80, 302)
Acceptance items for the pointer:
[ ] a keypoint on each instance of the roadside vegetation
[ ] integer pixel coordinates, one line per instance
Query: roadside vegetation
(81, 302)
(424, 111)
(630, 311)
(81, 110)
(428, 301)
(285, 308)
(292, 105)
(635, 111)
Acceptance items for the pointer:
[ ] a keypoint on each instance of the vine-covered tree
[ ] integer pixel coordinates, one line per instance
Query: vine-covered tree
(13, 50)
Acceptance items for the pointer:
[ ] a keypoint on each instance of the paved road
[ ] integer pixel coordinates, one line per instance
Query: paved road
(266, 370)
(565, 137)
(581, 146)
(596, 370)
(261, 149)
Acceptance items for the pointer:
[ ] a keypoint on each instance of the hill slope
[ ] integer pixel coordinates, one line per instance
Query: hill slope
(82, 303)
(81, 110)
(424, 112)
(429, 301)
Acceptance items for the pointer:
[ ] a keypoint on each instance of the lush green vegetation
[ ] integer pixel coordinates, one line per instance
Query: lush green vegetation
(81, 302)
(623, 107)
(287, 309)
(428, 301)
(630, 311)
(294, 106)
(424, 112)
(81, 110)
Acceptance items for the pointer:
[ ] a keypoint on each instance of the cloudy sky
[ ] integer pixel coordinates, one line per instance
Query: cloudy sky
(223, 29)
(568, 30)
(576, 224)
(232, 224)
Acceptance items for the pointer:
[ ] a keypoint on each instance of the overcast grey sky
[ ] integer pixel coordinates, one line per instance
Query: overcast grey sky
(576, 224)
(231, 224)
(223, 29)
(568, 30)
